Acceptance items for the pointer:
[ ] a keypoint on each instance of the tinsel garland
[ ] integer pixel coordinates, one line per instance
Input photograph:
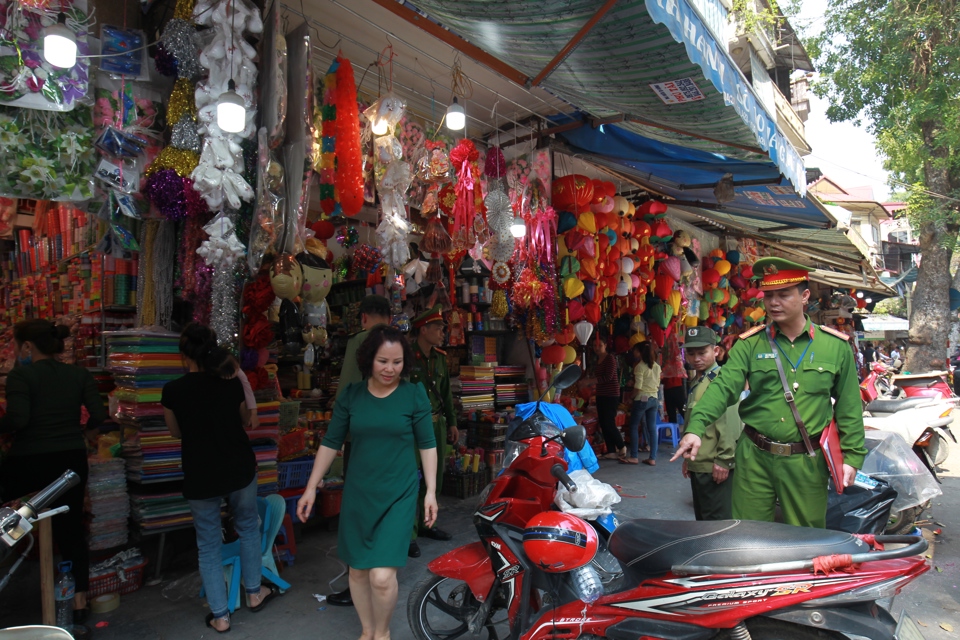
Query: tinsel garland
(349, 174)
(146, 303)
(258, 296)
(325, 163)
(257, 333)
(184, 135)
(174, 196)
(164, 252)
(183, 161)
(181, 101)
(181, 41)
(223, 306)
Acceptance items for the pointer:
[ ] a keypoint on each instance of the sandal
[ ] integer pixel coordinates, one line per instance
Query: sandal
(629, 461)
(611, 456)
(209, 620)
(650, 461)
(267, 598)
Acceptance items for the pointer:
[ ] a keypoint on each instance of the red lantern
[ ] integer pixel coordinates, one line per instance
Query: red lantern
(746, 271)
(575, 311)
(566, 335)
(641, 229)
(591, 312)
(651, 208)
(552, 355)
(572, 193)
(661, 231)
(663, 285)
(711, 277)
(323, 229)
(646, 276)
(861, 303)
(646, 252)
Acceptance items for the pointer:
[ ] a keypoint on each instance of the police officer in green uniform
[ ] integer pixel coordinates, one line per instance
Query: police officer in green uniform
(711, 474)
(430, 370)
(772, 461)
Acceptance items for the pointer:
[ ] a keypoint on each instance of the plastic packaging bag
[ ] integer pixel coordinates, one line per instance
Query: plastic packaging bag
(862, 508)
(592, 499)
(891, 459)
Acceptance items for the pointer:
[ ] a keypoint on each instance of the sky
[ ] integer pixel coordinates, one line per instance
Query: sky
(841, 150)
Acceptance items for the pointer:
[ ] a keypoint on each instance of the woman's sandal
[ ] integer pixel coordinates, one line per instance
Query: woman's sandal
(267, 598)
(629, 461)
(209, 620)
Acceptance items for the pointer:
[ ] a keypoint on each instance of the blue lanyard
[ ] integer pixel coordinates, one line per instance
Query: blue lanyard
(793, 365)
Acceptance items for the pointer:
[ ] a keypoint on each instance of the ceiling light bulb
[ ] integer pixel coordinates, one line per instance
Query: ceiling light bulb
(380, 127)
(859, 294)
(456, 116)
(518, 228)
(869, 300)
(231, 110)
(60, 44)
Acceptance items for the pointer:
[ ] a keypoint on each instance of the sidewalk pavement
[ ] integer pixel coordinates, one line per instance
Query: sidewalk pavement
(173, 610)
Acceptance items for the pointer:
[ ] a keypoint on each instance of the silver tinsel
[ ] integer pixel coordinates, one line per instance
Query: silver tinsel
(180, 39)
(223, 306)
(184, 134)
(164, 255)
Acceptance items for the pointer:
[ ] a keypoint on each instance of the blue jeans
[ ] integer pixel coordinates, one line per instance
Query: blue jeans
(646, 413)
(246, 520)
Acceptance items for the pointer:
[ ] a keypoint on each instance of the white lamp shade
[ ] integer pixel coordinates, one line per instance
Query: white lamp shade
(231, 112)
(60, 46)
(583, 330)
(456, 116)
(518, 228)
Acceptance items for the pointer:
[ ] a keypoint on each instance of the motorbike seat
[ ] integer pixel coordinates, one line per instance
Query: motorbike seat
(892, 406)
(649, 548)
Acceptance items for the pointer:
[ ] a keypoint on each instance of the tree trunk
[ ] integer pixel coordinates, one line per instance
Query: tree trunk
(930, 317)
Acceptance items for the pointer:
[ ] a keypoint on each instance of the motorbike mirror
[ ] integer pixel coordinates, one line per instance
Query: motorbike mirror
(567, 378)
(574, 438)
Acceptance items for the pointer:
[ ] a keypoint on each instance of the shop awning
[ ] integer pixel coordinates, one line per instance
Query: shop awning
(884, 323)
(654, 66)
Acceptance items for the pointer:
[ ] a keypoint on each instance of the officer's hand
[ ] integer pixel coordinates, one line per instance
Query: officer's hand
(684, 470)
(849, 475)
(453, 434)
(688, 448)
(720, 474)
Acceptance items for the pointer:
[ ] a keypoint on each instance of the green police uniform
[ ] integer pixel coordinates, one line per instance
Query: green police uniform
(821, 372)
(431, 371)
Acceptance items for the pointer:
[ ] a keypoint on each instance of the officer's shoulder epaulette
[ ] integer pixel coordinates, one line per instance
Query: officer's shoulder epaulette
(440, 351)
(752, 332)
(834, 332)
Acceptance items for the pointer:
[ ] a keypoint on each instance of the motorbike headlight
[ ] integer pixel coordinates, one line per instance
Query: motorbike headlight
(512, 451)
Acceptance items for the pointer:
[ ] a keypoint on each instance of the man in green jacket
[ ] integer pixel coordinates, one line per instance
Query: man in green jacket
(772, 461)
(710, 474)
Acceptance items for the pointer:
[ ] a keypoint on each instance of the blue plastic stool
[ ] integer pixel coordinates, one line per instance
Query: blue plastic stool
(672, 429)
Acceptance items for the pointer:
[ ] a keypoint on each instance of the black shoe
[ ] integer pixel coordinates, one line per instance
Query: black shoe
(436, 534)
(341, 599)
(80, 616)
(414, 550)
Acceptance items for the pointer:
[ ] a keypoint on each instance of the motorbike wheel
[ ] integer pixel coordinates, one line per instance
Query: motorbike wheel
(440, 609)
(943, 451)
(768, 629)
(902, 522)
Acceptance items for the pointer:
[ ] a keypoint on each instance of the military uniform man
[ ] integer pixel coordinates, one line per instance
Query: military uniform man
(771, 460)
(430, 370)
(711, 474)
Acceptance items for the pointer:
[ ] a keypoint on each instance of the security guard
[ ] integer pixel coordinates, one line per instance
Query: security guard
(772, 459)
(430, 370)
(711, 474)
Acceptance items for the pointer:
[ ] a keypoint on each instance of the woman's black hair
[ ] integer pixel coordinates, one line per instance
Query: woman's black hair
(367, 351)
(43, 334)
(646, 353)
(199, 343)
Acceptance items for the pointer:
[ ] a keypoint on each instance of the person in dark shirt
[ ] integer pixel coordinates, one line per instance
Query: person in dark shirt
(44, 397)
(206, 409)
(608, 397)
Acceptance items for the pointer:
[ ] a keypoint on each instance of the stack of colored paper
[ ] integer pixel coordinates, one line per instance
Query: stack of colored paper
(159, 512)
(511, 385)
(477, 388)
(264, 439)
(109, 505)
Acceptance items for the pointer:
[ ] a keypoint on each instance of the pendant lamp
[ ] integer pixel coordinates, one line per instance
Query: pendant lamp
(518, 228)
(60, 44)
(231, 108)
(456, 117)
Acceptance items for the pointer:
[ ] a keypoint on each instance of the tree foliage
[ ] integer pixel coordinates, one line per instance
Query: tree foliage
(896, 65)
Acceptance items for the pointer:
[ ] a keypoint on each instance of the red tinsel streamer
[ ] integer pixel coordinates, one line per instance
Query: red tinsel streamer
(349, 178)
(496, 164)
(257, 297)
(257, 333)
(464, 158)
(259, 378)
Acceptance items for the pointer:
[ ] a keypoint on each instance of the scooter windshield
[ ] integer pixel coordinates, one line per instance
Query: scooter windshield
(536, 425)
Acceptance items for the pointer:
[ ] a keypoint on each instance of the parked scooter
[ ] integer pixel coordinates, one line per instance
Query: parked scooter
(538, 573)
(16, 526)
(879, 383)
(922, 421)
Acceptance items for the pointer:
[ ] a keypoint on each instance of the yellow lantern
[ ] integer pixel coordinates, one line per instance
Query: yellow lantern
(690, 320)
(675, 300)
(569, 355)
(722, 267)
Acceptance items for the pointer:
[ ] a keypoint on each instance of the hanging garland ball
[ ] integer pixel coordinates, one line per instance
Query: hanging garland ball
(366, 258)
(347, 236)
(501, 272)
(166, 62)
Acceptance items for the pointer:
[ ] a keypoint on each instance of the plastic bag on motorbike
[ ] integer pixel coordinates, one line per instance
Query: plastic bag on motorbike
(861, 508)
(592, 500)
(891, 459)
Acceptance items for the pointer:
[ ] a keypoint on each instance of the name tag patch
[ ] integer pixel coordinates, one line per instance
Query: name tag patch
(766, 356)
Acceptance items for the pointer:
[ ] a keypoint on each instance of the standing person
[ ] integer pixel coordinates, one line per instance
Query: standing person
(894, 352)
(374, 311)
(674, 397)
(646, 383)
(710, 474)
(860, 364)
(430, 370)
(389, 419)
(44, 397)
(608, 397)
(869, 356)
(206, 408)
(772, 460)
(955, 363)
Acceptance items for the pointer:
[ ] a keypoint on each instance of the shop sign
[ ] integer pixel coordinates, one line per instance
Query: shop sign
(677, 91)
(686, 26)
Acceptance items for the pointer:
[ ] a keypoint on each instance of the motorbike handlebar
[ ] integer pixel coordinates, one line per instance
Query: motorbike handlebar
(51, 492)
(558, 472)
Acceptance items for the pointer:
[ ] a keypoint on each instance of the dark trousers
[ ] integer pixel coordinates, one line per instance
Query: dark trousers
(673, 400)
(23, 475)
(607, 416)
(712, 501)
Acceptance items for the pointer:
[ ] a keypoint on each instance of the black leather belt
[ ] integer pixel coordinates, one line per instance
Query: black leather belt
(777, 448)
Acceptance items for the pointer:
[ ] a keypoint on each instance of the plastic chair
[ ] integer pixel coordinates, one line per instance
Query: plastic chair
(672, 429)
(272, 509)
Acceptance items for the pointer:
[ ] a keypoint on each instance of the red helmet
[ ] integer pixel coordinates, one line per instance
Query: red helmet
(558, 542)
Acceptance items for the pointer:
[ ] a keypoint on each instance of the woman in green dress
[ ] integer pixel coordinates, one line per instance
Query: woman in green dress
(388, 419)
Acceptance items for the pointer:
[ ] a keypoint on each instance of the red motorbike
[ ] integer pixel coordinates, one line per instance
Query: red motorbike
(537, 573)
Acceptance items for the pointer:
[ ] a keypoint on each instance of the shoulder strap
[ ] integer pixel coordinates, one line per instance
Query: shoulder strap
(751, 332)
(834, 332)
(788, 396)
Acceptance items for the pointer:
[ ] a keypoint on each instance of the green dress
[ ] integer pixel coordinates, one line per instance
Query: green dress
(380, 492)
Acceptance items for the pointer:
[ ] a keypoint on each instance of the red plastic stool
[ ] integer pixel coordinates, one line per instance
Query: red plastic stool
(287, 550)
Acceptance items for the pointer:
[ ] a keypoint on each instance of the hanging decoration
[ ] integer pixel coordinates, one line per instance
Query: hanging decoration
(347, 236)
(468, 227)
(349, 172)
(326, 156)
(222, 250)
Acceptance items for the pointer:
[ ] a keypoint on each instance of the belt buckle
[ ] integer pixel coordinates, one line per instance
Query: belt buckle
(781, 449)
